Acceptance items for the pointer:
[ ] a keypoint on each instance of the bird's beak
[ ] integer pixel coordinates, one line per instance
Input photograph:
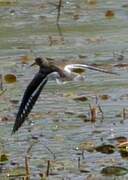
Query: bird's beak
(33, 64)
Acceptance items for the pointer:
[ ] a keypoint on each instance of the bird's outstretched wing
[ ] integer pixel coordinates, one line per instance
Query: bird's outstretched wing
(72, 67)
(29, 99)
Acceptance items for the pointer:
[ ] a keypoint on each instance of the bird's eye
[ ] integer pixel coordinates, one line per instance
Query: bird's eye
(78, 70)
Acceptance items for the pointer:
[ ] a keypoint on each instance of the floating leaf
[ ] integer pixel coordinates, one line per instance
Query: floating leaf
(114, 171)
(123, 152)
(3, 158)
(105, 148)
(10, 78)
(109, 13)
(123, 149)
(104, 97)
(83, 169)
(7, 2)
(91, 1)
(76, 16)
(120, 139)
(80, 98)
(88, 146)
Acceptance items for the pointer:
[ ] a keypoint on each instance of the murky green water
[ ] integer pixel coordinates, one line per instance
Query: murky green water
(25, 28)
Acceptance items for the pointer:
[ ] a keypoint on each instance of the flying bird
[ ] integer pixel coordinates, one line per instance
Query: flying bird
(46, 71)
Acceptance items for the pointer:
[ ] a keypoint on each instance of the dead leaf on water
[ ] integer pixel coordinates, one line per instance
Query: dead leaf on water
(105, 148)
(109, 13)
(69, 112)
(7, 2)
(88, 146)
(76, 16)
(114, 171)
(123, 150)
(3, 158)
(119, 139)
(10, 78)
(80, 98)
(104, 97)
(91, 2)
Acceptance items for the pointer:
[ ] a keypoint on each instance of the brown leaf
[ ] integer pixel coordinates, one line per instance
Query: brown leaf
(105, 148)
(80, 98)
(91, 2)
(3, 158)
(104, 97)
(10, 78)
(109, 13)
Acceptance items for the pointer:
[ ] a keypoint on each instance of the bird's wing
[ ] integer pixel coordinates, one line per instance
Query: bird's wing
(72, 67)
(29, 99)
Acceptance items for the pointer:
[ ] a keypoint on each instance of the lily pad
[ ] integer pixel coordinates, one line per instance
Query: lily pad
(10, 78)
(109, 13)
(114, 171)
(105, 148)
(80, 98)
(3, 158)
(104, 97)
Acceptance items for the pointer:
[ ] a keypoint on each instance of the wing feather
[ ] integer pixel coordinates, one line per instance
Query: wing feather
(29, 99)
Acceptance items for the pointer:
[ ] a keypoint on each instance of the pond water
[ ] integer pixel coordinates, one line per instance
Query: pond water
(28, 28)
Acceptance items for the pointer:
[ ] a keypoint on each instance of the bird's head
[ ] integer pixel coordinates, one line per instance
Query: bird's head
(48, 66)
(40, 62)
